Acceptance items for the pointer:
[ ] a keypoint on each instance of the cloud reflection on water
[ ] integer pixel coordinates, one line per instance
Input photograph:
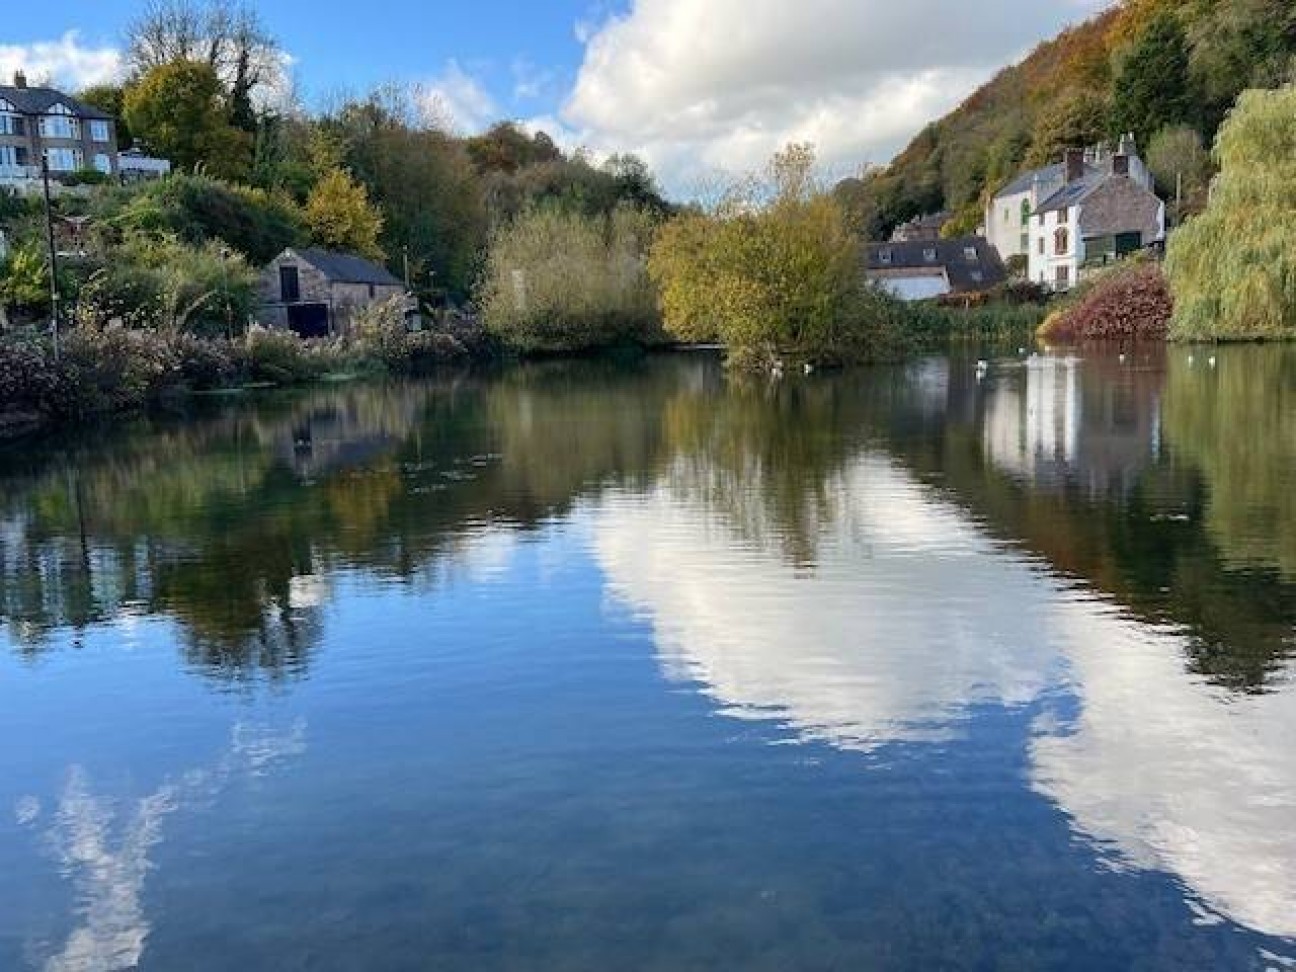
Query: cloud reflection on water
(912, 616)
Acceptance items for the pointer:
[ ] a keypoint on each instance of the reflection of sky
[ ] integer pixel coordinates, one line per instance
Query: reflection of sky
(913, 617)
(103, 847)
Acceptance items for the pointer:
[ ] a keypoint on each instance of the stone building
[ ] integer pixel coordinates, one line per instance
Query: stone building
(1099, 215)
(317, 293)
(36, 122)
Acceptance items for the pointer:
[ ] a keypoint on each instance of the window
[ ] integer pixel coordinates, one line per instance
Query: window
(1007, 214)
(60, 123)
(1062, 241)
(977, 276)
(1041, 246)
(103, 163)
(65, 160)
(8, 156)
(1025, 211)
(929, 254)
(11, 122)
(99, 131)
(289, 285)
(1025, 242)
(1063, 277)
(970, 254)
(884, 256)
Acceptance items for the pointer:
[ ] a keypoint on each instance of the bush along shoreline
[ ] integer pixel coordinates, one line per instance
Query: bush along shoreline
(113, 370)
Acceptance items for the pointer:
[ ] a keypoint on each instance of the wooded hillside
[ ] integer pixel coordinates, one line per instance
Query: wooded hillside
(1165, 69)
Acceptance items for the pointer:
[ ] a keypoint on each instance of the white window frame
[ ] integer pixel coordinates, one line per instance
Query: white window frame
(103, 163)
(60, 122)
(58, 156)
(99, 131)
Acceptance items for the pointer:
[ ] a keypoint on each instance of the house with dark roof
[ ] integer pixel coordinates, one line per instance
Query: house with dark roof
(38, 122)
(317, 293)
(926, 269)
(1009, 212)
(1098, 215)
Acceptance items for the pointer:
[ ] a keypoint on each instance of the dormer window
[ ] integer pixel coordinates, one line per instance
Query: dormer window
(929, 254)
(60, 122)
(970, 254)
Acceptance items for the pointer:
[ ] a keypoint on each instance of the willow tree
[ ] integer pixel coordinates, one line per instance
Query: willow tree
(1233, 269)
(772, 270)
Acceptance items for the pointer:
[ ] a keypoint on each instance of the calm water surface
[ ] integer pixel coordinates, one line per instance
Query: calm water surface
(593, 667)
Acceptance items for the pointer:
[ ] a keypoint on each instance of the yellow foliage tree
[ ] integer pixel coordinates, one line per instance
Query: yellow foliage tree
(340, 216)
(772, 270)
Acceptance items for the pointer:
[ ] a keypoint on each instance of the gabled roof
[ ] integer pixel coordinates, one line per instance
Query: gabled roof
(1074, 193)
(949, 255)
(1024, 182)
(37, 101)
(346, 267)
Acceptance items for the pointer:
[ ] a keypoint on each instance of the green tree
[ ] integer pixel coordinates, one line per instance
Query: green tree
(1233, 269)
(1153, 89)
(340, 217)
(178, 111)
(1182, 167)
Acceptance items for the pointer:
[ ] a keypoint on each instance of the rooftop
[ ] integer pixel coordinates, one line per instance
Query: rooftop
(37, 101)
(347, 267)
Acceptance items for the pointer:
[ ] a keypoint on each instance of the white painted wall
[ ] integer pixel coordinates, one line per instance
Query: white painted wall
(1044, 265)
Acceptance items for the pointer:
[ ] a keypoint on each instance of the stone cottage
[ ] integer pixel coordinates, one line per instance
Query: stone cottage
(317, 293)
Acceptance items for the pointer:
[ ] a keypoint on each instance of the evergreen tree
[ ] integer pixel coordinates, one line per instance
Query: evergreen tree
(1153, 89)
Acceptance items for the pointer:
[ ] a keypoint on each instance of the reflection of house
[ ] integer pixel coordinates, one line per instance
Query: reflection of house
(36, 122)
(318, 292)
(1100, 214)
(924, 269)
(1053, 427)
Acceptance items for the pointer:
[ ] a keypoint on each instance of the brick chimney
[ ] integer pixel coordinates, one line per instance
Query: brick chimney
(20, 80)
(1074, 163)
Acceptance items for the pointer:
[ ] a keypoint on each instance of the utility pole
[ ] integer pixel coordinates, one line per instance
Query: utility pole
(229, 309)
(405, 251)
(53, 256)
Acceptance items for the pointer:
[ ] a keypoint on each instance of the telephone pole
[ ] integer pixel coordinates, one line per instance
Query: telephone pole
(53, 256)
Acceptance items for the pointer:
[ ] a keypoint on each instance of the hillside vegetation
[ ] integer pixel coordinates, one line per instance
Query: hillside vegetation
(1168, 70)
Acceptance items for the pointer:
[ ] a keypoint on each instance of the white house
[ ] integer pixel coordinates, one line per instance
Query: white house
(1008, 215)
(1100, 214)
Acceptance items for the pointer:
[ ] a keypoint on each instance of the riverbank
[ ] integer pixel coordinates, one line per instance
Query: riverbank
(98, 374)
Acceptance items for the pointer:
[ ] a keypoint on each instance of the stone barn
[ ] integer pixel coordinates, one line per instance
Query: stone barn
(317, 293)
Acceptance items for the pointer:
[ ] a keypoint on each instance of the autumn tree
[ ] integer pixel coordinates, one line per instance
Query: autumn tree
(773, 270)
(1079, 118)
(177, 110)
(1182, 167)
(340, 217)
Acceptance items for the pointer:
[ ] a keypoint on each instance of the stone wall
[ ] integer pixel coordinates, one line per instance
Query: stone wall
(1121, 205)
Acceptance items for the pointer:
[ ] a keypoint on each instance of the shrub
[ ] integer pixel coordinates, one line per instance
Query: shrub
(206, 364)
(382, 337)
(564, 281)
(1127, 303)
(279, 357)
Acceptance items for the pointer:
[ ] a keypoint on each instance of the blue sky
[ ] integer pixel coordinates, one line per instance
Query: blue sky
(697, 87)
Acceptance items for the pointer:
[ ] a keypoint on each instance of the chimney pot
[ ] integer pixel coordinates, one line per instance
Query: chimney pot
(20, 79)
(1120, 165)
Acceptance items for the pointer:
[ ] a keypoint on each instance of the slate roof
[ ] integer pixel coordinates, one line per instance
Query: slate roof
(1023, 182)
(950, 255)
(37, 101)
(347, 268)
(1073, 193)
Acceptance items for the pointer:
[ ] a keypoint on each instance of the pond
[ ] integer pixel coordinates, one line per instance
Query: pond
(592, 665)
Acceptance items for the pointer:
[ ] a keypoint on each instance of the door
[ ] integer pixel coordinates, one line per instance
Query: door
(289, 285)
(309, 320)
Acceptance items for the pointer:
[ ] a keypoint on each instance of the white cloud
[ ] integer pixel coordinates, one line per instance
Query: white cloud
(65, 62)
(724, 83)
(460, 101)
